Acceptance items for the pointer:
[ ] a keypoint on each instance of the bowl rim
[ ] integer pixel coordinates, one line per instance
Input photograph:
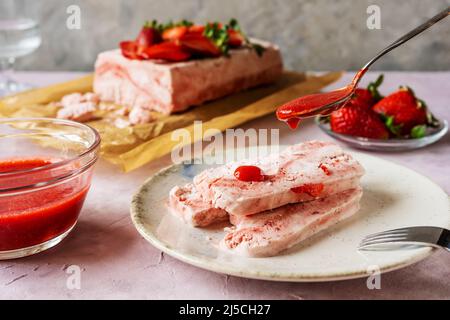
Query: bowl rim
(319, 121)
(94, 145)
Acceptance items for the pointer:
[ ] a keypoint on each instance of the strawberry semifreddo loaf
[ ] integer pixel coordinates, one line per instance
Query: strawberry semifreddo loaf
(270, 232)
(169, 87)
(302, 172)
(171, 67)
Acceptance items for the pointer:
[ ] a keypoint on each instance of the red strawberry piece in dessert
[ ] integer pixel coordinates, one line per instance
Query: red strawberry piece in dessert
(402, 111)
(174, 33)
(325, 169)
(199, 44)
(249, 174)
(356, 120)
(169, 51)
(312, 189)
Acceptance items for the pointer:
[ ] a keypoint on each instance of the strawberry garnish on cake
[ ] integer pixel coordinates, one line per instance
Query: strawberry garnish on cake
(171, 67)
(184, 40)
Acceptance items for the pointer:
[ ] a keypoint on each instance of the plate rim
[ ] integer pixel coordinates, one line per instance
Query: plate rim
(210, 265)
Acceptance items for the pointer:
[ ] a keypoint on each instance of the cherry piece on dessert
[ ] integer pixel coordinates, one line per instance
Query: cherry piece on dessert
(249, 174)
(313, 189)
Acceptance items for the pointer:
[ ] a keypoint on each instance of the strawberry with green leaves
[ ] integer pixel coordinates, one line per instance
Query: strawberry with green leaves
(404, 113)
(356, 118)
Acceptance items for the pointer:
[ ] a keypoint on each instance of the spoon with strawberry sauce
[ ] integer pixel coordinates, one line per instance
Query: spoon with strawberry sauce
(325, 103)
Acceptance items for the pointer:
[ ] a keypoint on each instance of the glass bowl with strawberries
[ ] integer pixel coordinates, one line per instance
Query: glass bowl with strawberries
(398, 121)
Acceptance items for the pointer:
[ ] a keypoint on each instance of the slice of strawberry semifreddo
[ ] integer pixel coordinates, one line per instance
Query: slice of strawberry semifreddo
(269, 233)
(188, 204)
(273, 202)
(302, 172)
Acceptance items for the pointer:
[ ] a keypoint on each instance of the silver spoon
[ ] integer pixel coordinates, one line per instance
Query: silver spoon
(324, 103)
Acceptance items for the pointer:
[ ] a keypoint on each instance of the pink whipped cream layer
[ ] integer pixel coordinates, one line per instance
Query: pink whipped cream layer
(268, 233)
(173, 87)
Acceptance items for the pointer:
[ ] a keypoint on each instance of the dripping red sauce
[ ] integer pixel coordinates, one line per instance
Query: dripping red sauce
(34, 217)
(310, 105)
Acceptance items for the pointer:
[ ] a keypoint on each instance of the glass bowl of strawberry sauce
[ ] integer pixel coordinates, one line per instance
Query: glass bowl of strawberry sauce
(45, 174)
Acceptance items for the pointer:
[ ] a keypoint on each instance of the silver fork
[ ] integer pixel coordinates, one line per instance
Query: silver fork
(406, 238)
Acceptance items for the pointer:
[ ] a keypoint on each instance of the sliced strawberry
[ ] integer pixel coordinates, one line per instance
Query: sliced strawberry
(199, 44)
(169, 51)
(174, 33)
(147, 37)
(130, 50)
(235, 38)
(197, 29)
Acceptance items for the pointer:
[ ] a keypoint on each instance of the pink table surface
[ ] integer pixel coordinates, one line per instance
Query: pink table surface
(117, 263)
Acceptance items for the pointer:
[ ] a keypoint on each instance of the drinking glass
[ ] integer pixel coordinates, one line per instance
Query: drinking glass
(19, 36)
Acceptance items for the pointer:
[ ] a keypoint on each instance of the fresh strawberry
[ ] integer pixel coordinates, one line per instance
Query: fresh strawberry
(174, 33)
(369, 96)
(199, 44)
(357, 120)
(169, 51)
(129, 50)
(365, 98)
(148, 36)
(402, 111)
(235, 38)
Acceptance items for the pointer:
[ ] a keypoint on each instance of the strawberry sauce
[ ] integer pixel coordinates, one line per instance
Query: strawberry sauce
(31, 218)
(311, 105)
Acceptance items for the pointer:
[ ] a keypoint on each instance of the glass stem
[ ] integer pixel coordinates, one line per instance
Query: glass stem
(6, 68)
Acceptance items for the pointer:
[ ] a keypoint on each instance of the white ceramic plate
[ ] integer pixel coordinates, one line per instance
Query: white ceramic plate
(394, 197)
